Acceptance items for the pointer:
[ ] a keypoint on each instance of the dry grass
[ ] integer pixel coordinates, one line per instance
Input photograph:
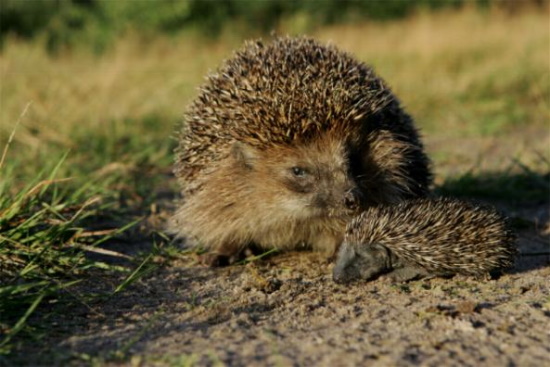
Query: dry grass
(457, 70)
(465, 73)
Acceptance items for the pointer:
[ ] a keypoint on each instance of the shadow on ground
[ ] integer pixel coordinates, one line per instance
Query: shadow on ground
(503, 187)
(523, 197)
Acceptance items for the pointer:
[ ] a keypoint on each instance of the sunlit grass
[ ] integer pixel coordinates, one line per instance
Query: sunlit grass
(472, 72)
(42, 237)
(469, 72)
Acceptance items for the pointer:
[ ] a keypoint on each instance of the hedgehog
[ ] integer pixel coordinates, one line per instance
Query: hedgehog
(425, 237)
(284, 143)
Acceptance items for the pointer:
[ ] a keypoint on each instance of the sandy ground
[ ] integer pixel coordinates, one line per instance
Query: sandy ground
(285, 310)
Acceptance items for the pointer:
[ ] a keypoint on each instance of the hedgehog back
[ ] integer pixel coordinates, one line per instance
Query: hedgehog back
(439, 235)
(290, 90)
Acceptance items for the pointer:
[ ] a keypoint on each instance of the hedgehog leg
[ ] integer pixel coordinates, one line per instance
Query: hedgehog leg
(213, 260)
(326, 238)
(329, 244)
(222, 255)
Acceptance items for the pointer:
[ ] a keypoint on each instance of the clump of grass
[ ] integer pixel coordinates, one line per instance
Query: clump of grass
(49, 225)
(43, 234)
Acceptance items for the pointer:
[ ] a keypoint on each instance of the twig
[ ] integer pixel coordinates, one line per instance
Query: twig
(103, 251)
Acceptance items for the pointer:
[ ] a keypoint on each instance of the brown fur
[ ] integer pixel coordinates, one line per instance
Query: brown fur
(289, 105)
(254, 203)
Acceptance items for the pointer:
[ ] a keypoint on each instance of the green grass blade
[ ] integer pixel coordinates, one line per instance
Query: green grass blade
(140, 271)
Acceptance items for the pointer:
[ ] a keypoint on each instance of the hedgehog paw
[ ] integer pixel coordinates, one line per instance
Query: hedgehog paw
(213, 260)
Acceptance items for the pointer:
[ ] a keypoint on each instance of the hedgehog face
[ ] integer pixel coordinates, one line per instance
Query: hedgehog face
(316, 181)
(306, 180)
(360, 262)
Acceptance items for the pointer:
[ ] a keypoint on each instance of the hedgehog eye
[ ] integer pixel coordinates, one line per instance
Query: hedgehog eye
(298, 171)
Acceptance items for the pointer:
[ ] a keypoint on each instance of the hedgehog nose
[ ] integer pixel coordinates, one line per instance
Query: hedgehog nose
(339, 275)
(351, 201)
(338, 278)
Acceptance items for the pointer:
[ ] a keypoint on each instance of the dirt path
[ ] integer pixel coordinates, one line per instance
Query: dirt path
(286, 311)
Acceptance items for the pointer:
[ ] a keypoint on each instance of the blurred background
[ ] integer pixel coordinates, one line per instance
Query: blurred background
(93, 73)
(65, 24)
(89, 75)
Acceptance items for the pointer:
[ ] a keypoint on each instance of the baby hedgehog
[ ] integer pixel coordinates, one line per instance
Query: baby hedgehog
(283, 143)
(425, 237)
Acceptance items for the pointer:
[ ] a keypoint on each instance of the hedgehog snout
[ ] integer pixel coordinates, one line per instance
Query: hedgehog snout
(345, 258)
(351, 201)
(345, 272)
(339, 277)
(339, 274)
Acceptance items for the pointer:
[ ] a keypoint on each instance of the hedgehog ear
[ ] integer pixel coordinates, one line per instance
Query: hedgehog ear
(244, 154)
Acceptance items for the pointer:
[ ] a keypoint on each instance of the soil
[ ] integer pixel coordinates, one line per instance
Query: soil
(285, 310)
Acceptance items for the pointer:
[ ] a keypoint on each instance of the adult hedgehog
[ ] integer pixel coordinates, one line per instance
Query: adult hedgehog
(283, 143)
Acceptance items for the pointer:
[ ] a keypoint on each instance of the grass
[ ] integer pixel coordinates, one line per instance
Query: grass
(45, 229)
(87, 144)
(54, 212)
(47, 232)
(469, 72)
